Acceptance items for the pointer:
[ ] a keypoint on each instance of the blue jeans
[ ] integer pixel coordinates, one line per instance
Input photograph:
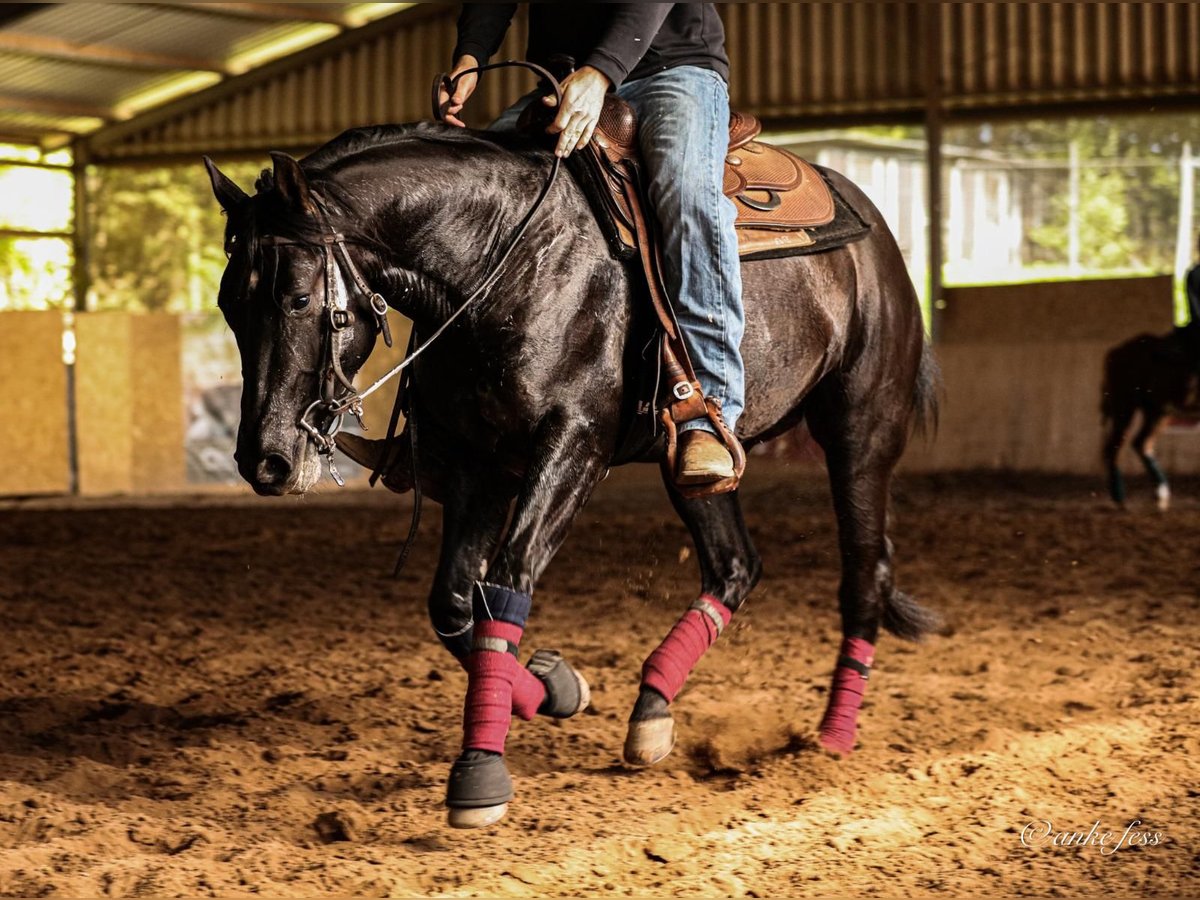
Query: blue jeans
(683, 135)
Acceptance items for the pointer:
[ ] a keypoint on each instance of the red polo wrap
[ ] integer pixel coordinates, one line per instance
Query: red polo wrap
(840, 724)
(667, 668)
(490, 678)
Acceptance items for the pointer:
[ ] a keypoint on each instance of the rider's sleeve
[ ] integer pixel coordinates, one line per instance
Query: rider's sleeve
(481, 28)
(630, 34)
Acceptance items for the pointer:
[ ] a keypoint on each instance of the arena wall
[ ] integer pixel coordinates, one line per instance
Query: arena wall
(1022, 371)
(33, 404)
(1021, 366)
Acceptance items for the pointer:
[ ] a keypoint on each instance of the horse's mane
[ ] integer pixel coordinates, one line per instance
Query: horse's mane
(266, 214)
(374, 137)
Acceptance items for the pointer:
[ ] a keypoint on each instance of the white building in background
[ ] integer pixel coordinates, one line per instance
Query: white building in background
(984, 214)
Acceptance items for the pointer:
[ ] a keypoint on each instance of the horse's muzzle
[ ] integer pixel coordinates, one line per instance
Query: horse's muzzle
(274, 469)
(273, 474)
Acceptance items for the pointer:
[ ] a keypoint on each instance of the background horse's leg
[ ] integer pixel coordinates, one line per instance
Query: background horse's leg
(1118, 427)
(566, 468)
(729, 569)
(863, 430)
(1143, 445)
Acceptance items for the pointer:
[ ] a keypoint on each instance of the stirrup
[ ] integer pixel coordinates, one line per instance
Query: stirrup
(712, 408)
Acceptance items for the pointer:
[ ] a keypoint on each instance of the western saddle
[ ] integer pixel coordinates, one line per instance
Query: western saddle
(782, 205)
(778, 197)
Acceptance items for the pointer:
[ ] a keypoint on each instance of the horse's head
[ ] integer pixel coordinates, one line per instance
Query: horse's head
(302, 331)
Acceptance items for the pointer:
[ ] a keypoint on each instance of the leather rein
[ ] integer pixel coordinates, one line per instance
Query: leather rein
(338, 394)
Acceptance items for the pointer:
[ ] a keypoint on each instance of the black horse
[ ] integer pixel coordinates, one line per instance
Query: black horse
(1154, 375)
(538, 371)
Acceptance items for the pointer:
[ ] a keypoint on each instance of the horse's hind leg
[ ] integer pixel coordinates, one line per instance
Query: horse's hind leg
(863, 433)
(729, 569)
(1143, 446)
(566, 469)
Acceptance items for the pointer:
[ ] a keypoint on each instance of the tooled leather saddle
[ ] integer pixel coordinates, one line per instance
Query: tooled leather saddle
(782, 201)
(783, 204)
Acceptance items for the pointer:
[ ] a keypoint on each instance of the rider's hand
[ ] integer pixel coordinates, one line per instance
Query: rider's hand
(583, 98)
(451, 106)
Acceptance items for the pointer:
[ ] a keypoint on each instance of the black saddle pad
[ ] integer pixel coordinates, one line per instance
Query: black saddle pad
(846, 227)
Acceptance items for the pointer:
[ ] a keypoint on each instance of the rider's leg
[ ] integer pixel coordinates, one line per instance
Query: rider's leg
(683, 117)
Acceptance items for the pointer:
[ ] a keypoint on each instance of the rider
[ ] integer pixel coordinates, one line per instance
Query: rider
(668, 61)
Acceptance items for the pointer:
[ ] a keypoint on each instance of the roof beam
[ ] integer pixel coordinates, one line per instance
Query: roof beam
(73, 51)
(54, 106)
(10, 12)
(34, 137)
(268, 12)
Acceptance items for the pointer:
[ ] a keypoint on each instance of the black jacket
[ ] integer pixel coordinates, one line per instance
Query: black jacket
(625, 41)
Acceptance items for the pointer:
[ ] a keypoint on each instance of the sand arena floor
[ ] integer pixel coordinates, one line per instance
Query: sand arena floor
(186, 686)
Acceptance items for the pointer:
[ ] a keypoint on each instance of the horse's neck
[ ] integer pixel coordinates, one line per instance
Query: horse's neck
(447, 234)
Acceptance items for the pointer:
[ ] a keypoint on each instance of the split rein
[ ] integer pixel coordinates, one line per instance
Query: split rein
(338, 394)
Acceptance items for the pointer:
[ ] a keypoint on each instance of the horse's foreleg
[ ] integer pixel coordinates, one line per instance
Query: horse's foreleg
(1118, 428)
(729, 569)
(1143, 446)
(474, 514)
(557, 485)
(863, 438)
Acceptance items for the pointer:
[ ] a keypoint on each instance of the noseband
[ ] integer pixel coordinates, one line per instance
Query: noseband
(338, 394)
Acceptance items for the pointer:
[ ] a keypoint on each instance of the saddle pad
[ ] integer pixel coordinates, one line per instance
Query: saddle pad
(844, 227)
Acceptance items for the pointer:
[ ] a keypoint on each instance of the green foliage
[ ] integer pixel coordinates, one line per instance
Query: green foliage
(158, 238)
(1128, 188)
(35, 273)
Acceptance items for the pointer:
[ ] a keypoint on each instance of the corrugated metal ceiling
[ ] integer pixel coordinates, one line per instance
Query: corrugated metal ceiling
(103, 59)
(796, 63)
(800, 63)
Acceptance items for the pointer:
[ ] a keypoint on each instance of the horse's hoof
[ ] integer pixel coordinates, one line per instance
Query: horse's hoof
(567, 692)
(479, 790)
(836, 743)
(480, 817)
(649, 741)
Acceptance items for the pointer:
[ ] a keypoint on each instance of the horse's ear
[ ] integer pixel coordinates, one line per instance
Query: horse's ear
(291, 183)
(227, 193)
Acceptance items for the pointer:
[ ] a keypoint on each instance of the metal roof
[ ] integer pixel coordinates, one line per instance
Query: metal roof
(110, 71)
(68, 69)
(799, 64)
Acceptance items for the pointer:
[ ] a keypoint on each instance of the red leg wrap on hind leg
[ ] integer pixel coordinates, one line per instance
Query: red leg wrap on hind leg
(840, 723)
(667, 668)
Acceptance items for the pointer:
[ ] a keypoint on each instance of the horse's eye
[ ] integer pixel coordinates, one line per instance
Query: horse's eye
(300, 302)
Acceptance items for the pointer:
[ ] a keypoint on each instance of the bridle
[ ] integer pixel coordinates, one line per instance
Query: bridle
(338, 394)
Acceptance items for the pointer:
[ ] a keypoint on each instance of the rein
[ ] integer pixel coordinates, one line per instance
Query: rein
(338, 394)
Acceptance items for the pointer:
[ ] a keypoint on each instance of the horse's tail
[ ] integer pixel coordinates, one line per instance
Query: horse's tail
(902, 615)
(926, 390)
(905, 617)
